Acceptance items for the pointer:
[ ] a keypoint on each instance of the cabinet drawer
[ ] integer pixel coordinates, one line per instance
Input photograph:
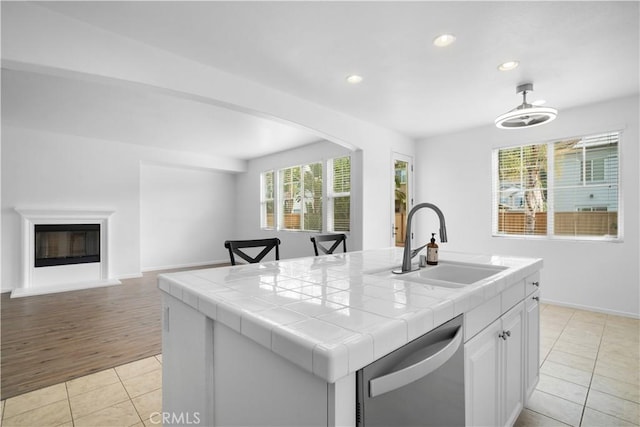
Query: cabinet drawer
(532, 283)
(512, 295)
(481, 316)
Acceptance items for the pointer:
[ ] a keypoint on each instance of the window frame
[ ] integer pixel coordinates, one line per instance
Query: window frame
(551, 190)
(326, 198)
(332, 195)
(264, 200)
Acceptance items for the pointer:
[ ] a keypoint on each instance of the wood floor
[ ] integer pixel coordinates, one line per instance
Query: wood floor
(48, 339)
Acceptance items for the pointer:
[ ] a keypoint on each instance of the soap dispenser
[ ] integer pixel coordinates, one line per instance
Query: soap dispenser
(432, 251)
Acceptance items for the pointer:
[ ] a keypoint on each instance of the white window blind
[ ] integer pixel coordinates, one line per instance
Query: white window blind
(586, 186)
(339, 194)
(520, 199)
(292, 198)
(300, 203)
(267, 203)
(567, 188)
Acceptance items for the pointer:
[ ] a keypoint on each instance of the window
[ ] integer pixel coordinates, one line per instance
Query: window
(586, 186)
(301, 197)
(267, 200)
(567, 188)
(339, 194)
(300, 191)
(522, 207)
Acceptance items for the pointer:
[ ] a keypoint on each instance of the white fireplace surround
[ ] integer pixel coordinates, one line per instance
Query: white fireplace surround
(44, 280)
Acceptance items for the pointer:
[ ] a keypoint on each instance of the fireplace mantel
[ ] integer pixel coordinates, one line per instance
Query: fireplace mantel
(43, 280)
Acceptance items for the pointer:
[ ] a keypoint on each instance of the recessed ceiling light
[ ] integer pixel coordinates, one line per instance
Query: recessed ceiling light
(539, 102)
(354, 79)
(444, 40)
(508, 66)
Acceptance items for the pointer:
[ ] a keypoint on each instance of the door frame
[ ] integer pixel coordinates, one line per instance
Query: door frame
(395, 156)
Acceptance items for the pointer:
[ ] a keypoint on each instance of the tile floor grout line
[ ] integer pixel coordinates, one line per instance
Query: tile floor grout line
(130, 398)
(549, 416)
(595, 363)
(565, 325)
(66, 388)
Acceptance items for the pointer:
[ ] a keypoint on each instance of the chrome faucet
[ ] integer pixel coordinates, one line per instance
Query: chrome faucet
(408, 253)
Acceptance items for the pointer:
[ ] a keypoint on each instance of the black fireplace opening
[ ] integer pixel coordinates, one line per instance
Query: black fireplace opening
(63, 244)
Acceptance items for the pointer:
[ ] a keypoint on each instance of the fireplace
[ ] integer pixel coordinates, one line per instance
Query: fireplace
(63, 244)
(64, 250)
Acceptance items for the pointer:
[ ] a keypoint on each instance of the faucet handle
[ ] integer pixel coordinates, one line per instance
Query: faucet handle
(415, 251)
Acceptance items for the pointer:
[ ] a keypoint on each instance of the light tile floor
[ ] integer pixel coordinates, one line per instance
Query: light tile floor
(590, 370)
(127, 395)
(589, 376)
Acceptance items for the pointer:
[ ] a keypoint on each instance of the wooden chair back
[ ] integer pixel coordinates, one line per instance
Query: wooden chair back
(335, 238)
(236, 247)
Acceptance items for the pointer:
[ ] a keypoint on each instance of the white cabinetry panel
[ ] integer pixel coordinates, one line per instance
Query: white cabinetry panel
(532, 344)
(512, 364)
(482, 379)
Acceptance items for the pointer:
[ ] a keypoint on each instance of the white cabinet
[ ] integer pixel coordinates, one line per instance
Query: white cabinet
(502, 357)
(253, 386)
(512, 354)
(532, 344)
(482, 378)
(493, 371)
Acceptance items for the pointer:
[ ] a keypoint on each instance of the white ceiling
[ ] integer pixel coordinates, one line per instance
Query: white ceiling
(575, 53)
(140, 115)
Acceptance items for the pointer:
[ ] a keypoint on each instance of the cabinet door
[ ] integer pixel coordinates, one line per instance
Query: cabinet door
(512, 364)
(532, 344)
(482, 377)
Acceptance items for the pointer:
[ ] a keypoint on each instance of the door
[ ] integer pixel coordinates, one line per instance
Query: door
(402, 196)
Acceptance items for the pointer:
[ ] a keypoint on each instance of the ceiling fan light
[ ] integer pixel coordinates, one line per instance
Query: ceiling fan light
(526, 115)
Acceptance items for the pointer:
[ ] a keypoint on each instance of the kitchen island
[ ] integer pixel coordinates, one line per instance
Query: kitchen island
(279, 343)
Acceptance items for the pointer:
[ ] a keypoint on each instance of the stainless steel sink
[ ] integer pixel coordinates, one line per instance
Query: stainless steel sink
(447, 274)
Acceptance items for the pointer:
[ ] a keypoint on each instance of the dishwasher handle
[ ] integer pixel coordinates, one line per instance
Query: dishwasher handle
(399, 379)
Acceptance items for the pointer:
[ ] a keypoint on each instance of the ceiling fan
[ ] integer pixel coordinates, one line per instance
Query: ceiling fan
(526, 115)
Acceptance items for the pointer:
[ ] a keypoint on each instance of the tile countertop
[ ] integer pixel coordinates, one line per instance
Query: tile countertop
(325, 314)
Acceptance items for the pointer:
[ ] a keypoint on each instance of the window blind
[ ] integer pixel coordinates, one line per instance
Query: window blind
(295, 200)
(568, 188)
(312, 200)
(340, 194)
(267, 203)
(289, 204)
(520, 197)
(586, 186)
(301, 197)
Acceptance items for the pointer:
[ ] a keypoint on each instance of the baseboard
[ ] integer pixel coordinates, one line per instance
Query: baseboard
(589, 308)
(130, 276)
(188, 265)
(44, 290)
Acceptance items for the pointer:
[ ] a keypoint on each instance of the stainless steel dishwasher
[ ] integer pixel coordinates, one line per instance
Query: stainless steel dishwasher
(419, 384)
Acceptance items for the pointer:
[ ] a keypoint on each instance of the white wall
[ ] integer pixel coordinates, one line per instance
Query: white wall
(454, 172)
(53, 171)
(294, 243)
(185, 216)
(48, 171)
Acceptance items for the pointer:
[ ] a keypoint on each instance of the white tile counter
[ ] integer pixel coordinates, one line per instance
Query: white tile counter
(327, 317)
